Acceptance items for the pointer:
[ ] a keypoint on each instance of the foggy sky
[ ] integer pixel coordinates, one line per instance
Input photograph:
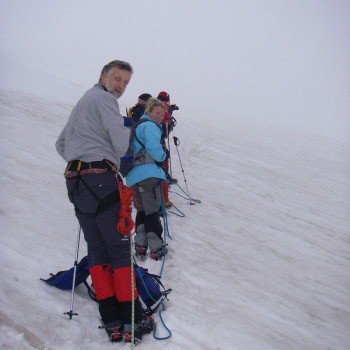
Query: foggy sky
(278, 61)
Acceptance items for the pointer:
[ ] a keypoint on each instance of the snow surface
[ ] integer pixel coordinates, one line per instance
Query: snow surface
(263, 262)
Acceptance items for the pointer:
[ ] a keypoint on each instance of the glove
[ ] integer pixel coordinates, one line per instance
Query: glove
(173, 108)
(127, 121)
(167, 153)
(164, 133)
(167, 156)
(167, 127)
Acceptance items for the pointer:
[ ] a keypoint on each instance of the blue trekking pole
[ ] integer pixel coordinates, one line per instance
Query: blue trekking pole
(177, 143)
(71, 313)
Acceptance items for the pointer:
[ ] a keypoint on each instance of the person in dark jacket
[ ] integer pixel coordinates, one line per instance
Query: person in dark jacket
(136, 112)
(92, 142)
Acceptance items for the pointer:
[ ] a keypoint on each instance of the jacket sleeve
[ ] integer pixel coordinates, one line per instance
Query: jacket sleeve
(113, 122)
(60, 143)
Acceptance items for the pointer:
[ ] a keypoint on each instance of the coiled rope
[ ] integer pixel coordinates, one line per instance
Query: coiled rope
(126, 226)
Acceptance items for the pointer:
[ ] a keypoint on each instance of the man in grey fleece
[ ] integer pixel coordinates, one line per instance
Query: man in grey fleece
(92, 142)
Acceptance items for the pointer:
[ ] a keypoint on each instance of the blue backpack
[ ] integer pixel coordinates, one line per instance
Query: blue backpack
(150, 288)
(64, 279)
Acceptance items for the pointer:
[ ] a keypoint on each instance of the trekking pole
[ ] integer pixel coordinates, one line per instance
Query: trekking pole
(71, 313)
(177, 143)
(167, 135)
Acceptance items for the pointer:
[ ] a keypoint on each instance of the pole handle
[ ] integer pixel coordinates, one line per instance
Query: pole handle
(176, 141)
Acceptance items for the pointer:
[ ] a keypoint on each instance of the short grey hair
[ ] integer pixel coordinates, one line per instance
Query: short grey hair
(119, 64)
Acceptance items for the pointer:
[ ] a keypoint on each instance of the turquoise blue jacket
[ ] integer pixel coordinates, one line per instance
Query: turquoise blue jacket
(149, 134)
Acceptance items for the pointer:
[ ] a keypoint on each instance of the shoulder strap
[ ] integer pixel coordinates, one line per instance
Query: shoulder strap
(136, 125)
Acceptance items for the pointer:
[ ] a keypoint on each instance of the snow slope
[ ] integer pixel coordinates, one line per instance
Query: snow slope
(263, 262)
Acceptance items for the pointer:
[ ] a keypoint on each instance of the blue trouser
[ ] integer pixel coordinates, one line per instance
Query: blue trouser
(105, 244)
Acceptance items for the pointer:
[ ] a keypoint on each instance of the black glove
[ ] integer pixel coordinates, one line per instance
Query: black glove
(164, 134)
(167, 175)
(127, 121)
(167, 156)
(167, 127)
(167, 153)
(173, 108)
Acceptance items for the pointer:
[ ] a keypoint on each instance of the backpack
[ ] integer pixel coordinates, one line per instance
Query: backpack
(137, 112)
(129, 160)
(64, 279)
(150, 288)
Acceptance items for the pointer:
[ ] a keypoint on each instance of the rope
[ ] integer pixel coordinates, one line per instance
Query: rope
(165, 230)
(155, 326)
(132, 297)
(178, 213)
(125, 226)
(127, 196)
(159, 312)
(188, 198)
(165, 218)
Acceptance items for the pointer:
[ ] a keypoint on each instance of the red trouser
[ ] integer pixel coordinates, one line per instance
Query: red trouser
(116, 282)
(165, 191)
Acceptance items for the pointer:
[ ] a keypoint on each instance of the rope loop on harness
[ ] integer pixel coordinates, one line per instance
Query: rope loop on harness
(126, 224)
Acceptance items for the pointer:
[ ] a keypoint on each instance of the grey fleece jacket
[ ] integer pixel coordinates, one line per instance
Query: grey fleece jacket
(95, 129)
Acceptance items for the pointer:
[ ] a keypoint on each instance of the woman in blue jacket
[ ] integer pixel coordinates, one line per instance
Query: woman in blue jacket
(146, 180)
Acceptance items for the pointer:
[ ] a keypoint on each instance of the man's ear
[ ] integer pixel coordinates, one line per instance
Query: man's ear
(102, 79)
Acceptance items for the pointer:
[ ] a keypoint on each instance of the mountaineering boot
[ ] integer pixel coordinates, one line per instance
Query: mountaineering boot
(114, 331)
(141, 242)
(155, 245)
(108, 305)
(158, 254)
(154, 229)
(140, 251)
(145, 326)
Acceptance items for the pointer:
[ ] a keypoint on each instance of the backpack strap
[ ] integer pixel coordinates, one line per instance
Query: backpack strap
(134, 130)
(91, 293)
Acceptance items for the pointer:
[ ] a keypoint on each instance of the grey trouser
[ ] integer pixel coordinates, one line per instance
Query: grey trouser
(147, 202)
(148, 195)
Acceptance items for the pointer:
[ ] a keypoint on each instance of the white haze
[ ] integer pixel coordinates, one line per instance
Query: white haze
(283, 62)
(262, 263)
